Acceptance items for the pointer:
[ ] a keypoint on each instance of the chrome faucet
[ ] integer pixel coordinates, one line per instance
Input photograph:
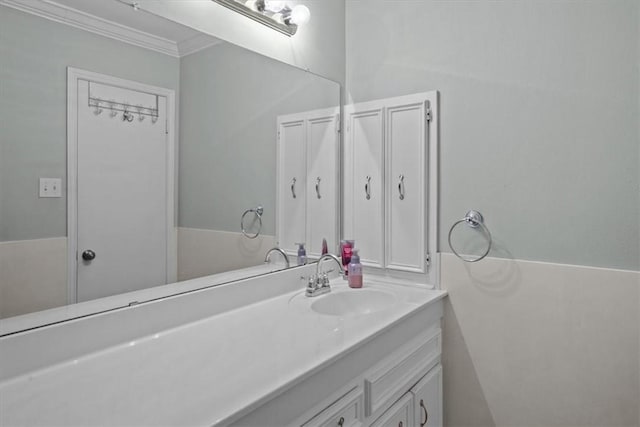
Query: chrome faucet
(319, 283)
(281, 252)
(329, 256)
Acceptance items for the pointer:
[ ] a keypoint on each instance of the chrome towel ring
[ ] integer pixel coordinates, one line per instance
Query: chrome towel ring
(473, 219)
(258, 213)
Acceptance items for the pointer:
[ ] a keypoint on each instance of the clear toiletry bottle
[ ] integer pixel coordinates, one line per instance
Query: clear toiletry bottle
(302, 254)
(355, 270)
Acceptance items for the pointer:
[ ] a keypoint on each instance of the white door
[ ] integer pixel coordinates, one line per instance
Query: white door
(122, 170)
(322, 180)
(427, 393)
(364, 186)
(406, 183)
(291, 182)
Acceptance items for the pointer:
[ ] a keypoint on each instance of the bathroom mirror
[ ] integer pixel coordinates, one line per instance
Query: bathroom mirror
(54, 189)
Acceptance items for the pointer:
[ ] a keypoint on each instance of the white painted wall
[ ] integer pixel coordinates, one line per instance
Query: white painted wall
(202, 252)
(318, 46)
(33, 275)
(540, 344)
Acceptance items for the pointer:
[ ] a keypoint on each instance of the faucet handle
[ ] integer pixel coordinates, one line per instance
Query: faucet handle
(324, 280)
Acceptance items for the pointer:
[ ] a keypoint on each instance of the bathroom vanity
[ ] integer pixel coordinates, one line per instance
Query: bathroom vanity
(253, 352)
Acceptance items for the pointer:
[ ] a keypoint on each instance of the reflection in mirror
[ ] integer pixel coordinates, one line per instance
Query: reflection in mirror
(172, 138)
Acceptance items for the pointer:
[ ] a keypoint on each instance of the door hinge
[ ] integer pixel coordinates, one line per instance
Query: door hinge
(166, 126)
(428, 114)
(427, 260)
(337, 123)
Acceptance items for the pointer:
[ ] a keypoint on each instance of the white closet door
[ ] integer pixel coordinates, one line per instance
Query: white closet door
(121, 197)
(364, 186)
(322, 180)
(292, 182)
(406, 184)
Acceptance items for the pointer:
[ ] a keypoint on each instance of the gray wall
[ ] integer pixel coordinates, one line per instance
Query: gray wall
(539, 115)
(318, 46)
(230, 98)
(34, 54)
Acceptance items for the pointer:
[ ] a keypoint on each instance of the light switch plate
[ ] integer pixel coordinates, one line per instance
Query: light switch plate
(50, 187)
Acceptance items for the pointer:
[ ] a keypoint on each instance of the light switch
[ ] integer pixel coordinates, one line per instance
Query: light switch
(50, 187)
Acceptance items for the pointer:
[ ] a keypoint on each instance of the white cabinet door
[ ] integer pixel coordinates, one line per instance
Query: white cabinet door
(406, 184)
(291, 182)
(427, 408)
(364, 185)
(322, 180)
(399, 415)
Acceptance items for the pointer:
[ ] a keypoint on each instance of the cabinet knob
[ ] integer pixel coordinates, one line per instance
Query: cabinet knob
(401, 187)
(318, 187)
(426, 414)
(367, 188)
(293, 187)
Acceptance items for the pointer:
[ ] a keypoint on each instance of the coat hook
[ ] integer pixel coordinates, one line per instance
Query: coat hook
(98, 110)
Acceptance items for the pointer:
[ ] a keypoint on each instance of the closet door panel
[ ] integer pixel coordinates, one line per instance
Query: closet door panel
(406, 184)
(291, 183)
(322, 182)
(364, 173)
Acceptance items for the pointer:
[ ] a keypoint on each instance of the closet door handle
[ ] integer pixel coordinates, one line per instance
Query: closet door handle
(367, 188)
(293, 187)
(401, 187)
(318, 187)
(426, 414)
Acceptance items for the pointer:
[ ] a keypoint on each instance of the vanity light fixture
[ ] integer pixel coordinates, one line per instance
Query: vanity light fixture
(274, 14)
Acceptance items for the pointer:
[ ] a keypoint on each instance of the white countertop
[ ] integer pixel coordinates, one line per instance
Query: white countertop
(207, 372)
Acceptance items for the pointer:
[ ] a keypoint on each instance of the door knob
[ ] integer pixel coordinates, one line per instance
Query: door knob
(88, 255)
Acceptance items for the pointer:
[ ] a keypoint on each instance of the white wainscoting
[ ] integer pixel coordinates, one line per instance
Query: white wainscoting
(203, 252)
(33, 275)
(532, 344)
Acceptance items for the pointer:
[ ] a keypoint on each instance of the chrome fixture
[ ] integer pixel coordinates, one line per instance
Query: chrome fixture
(318, 284)
(280, 251)
(257, 211)
(473, 219)
(274, 14)
(329, 256)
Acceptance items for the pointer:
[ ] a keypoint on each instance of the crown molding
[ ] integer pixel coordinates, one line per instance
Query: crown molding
(84, 21)
(196, 43)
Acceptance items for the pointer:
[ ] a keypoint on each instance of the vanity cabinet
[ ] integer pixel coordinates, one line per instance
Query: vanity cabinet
(308, 170)
(387, 180)
(404, 389)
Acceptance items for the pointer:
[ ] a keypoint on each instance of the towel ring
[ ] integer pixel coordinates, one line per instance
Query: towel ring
(473, 219)
(258, 212)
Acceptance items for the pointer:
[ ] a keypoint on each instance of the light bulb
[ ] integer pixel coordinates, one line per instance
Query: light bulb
(300, 15)
(251, 4)
(278, 17)
(275, 6)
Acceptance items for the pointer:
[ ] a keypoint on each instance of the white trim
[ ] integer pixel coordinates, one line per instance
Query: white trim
(196, 44)
(73, 75)
(84, 21)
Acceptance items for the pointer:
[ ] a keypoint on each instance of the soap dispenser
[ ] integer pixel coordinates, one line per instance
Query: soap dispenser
(355, 270)
(302, 254)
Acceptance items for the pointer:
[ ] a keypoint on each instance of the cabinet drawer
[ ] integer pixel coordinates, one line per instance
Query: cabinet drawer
(345, 412)
(390, 380)
(398, 415)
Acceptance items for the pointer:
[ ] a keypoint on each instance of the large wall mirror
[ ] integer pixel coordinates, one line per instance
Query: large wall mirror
(130, 148)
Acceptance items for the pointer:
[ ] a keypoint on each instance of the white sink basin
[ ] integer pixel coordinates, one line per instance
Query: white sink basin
(353, 302)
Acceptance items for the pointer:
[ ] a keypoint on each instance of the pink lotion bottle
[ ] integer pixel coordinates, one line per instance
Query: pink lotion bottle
(355, 270)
